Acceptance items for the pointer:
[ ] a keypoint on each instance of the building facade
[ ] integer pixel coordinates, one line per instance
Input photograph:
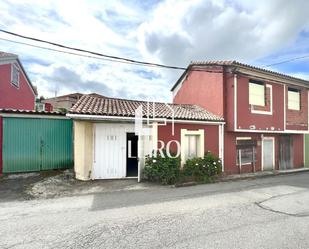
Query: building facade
(112, 137)
(266, 113)
(64, 102)
(16, 89)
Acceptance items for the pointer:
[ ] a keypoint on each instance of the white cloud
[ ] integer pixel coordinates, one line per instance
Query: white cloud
(171, 32)
(181, 31)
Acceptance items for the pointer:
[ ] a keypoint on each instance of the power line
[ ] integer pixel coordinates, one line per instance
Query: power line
(94, 53)
(113, 58)
(287, 61)
(100, 58)
(70, 53)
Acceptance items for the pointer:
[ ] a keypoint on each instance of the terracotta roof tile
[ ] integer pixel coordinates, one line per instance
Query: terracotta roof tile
(92, 105)
(4, 55)
(244, 65)
(20, 111)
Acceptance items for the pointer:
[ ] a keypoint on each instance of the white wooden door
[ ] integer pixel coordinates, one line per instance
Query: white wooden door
(110, 150)
(268, 153)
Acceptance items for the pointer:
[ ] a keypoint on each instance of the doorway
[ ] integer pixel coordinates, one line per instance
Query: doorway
(286, 152)
(132, 155)
(268, 153)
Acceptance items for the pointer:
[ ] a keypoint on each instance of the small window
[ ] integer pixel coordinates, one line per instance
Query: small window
(293, 99)
(256, 93)
(246, 151)
(192, 146)
(15, 75)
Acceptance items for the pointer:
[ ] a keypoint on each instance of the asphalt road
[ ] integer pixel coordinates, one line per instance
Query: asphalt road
(269, 212)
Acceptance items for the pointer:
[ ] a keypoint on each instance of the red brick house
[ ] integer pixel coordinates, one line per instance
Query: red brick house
(16, 90)
(266, 113)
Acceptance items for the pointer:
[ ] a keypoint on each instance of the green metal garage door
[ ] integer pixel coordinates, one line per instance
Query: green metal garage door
(306, 150)
(33, 144)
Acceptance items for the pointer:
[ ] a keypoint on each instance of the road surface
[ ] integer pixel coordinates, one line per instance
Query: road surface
(269, 212)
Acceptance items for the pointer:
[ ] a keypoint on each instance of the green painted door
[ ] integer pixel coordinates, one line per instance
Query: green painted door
(307, 150)
(33, 144)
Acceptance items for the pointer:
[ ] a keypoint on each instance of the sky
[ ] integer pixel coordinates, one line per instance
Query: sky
(173, 32)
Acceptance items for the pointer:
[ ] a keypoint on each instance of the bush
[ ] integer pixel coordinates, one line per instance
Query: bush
(164, 169)
(203, 169)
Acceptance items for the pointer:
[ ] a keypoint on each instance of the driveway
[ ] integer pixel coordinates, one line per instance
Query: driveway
(268, 212)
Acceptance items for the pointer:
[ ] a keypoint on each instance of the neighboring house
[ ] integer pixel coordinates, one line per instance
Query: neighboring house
(266, 113)
(65, 102)
(43, 107)
(105, 144)
(16, 90)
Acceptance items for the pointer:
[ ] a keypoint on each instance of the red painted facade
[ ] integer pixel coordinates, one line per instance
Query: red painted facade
(230, 151)
(211, 135)
(265, 122)
(216, 92)
(193, 90)
(298, 120)
(1, 145)
(12, 97)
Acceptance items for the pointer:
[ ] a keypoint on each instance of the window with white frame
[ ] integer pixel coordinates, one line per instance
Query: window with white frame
(293, 99)
(15, 75)
(256, 93)
(192, 144)
(246, 151)
(191, 151)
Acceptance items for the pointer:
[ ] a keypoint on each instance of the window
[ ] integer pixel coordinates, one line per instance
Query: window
(15, 75)
(293, 99)
(246, 151)
(256, 93)
(191, 144)
(191, 151)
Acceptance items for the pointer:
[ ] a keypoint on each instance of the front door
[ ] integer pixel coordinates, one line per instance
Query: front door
(268, 153)
(132, 155)
(286, 152)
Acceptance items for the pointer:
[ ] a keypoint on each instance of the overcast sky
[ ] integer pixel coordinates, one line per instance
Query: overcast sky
(172, 32)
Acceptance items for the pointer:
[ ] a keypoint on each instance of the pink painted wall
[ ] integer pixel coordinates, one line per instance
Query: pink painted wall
(12, 97)
(298, 120)
(1, 131)
(211, 133)
(298, 146)
(230, 151)
(262, 122)
(204, 89)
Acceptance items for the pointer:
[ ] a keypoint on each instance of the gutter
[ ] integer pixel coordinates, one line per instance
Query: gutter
(132, 119)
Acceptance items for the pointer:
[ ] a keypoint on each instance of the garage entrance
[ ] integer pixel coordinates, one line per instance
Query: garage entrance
(110, 150)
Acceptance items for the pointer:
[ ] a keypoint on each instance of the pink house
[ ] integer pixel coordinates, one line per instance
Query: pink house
(266, 113)
(16, 90)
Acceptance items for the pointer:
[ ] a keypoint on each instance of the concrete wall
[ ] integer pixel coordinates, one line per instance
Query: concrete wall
(83, 149)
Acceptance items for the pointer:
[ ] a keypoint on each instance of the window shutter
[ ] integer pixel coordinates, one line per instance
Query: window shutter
(256, 94)
(294, 100)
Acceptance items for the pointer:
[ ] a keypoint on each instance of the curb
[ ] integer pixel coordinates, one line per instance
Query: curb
(269, 174)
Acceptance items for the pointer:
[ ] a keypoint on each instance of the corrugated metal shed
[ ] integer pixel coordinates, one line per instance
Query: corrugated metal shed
(33, 143)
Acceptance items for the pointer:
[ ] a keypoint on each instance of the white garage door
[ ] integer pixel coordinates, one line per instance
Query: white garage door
(110, 150)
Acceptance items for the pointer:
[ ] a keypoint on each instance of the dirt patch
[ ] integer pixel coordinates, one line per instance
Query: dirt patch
(59, 183)
(65, 184)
